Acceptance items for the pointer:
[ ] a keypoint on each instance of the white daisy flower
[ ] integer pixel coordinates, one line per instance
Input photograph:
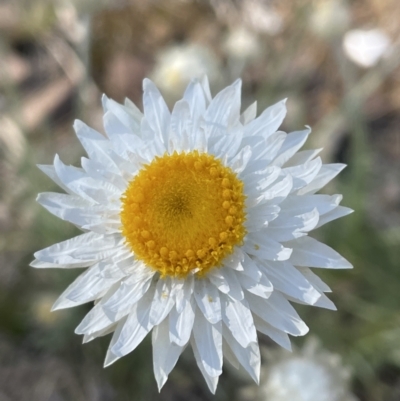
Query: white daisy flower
(195, 228)
(312, 374)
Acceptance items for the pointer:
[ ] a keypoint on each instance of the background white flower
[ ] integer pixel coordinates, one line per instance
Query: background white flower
(196, 226)
(176, 65)
(311, 374)
(366, 47)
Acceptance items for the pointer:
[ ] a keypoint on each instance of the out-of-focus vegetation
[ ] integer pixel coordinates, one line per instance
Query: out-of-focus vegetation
(57, 57)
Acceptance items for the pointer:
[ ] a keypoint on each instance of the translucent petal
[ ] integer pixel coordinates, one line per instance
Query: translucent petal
(309, 252)
(165, 353)
(238, 318)
(181, 324)
(207, 298)
(249, 357)
(208, 339)
(269, 120)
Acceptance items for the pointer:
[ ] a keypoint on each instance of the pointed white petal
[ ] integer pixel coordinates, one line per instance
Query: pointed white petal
(287, 279)
(309, 252)
(212, 381)
(295, 205)
(110, 356)
(136, 326)
(181, 324)
(302, 157)
(185, 294)
(179, 137)
(304, 173)
(128, 294)
(337, 213)
(293, 142)
(163, 301)
(165, 354)
(326, 174)
(155, 110)
(235, 289)
(207, 298)
(276, 335)
(259, 245)
(286, 227)
(278, 313)
(313, 279)
(238, 318)
(248, 357)
(269, 121)
(208, 339)
(249, 114)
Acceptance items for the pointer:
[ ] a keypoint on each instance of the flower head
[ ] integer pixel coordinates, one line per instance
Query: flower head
(195, 227)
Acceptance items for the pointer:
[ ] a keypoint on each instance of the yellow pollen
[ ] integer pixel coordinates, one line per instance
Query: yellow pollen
(182, 212)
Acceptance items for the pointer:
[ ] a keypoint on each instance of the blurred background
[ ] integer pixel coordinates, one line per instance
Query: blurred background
(336, 61)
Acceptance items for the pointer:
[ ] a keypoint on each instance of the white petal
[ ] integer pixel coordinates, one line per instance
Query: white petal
(181, 324)
(50, 171)
(95, 144)
(303, 174)
(110, 356)
(337, 213)
(302, 157)
(136, 326)
(230, 277)
(239, 162)
(212, 381)
(179, 137)
(83, 250)
(258, 181)
(276, 335)
(313, 279)
(260, 289)
(279, 190)
(326, 174)
(278, 313)
(129, 115)
(293, 142)
(155, 110)
(207, 298)
(287, 279)
(185, 294)
(83, 185)
(100, 333)
(223, 110)
(259, 245)
(163, 301)
(128, 293)
(295, 205)
(285, 228)
(309, 252)
(165, 354)
(238, 318)
(226, 145)
(195, 97)
(96, 320)
(85, 288)
(248, 357)
(325, 302)
(251, 269)
(267, 147)
(72, 208)
(269, 121)
(208, 339)
(249, 114)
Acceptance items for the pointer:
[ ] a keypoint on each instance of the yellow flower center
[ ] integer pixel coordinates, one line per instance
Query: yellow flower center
(183, 212)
